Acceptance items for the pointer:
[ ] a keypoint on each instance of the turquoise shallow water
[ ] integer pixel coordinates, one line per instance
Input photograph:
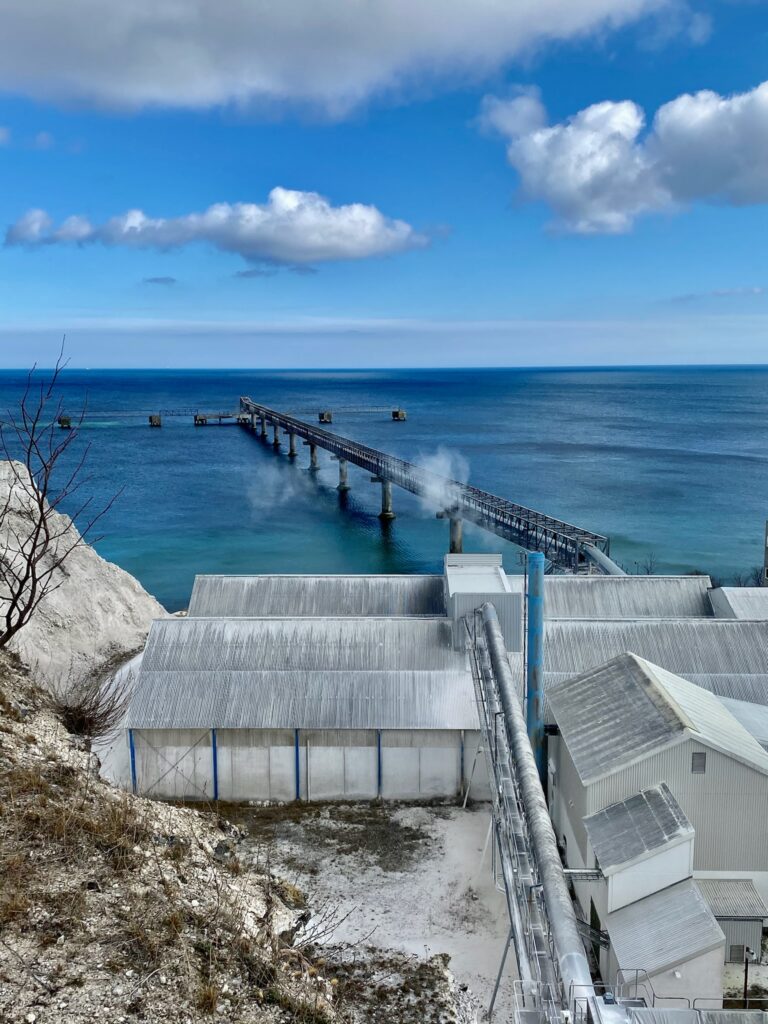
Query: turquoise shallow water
(667, 462)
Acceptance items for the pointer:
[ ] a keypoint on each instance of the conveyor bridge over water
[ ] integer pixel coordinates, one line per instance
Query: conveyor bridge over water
(568, 548)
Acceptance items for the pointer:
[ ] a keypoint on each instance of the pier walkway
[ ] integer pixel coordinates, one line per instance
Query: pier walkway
(568, 548)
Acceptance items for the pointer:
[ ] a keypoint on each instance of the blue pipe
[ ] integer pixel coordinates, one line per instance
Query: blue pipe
(379, 773)
(214, 752)
(132, 749)
(535, 666)
(298, 766)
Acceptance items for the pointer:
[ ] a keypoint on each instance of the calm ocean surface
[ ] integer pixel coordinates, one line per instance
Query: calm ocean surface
(667, 462)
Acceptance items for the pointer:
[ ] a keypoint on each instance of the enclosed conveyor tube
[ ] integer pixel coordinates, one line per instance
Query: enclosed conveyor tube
(569, 948)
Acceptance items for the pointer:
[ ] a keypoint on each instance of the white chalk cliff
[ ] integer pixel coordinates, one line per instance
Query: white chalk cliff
(97, 617)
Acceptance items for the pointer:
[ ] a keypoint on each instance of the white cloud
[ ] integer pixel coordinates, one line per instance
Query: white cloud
(598, 170)
(43, 140)
(327, 53)
(292, 228)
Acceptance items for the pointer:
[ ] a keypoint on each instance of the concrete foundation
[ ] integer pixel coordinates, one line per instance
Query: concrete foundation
(343, 479)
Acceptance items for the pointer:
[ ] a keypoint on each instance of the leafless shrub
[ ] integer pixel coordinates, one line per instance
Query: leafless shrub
(46, 472)
(91, 706)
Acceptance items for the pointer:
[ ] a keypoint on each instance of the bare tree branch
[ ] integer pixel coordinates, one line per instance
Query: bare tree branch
(45, 471)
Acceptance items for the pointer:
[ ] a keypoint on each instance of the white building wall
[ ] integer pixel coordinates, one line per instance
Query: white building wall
(175, 764)
(256, 764)
(418, 765)
(727, 806)
(701, 979)
(663, 869)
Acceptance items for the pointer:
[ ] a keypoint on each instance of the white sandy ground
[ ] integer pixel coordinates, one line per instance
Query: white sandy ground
(441, 901)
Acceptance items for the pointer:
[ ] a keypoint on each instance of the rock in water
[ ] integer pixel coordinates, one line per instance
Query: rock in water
(96, 618)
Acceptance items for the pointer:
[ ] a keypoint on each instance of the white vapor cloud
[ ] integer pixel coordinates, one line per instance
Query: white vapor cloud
(599, 170)
(327, 53)
(444, 470)
(292, 228)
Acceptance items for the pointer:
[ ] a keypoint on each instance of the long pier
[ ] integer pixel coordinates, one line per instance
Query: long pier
(569, 548)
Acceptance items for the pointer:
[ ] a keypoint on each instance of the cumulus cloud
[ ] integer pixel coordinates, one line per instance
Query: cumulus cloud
(203, 52)
(600, 169)
(291, 228)
(166, 281)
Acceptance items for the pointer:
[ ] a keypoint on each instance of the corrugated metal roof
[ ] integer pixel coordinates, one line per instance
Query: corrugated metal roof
(724, 656)
(628, 708)
(733, 897)
(733, 1016)
(664, 929)
(329, 673)
(754, 717)
(633, 829)
(625, 597)
(303, 700)
(327, 644)
(685, 646)
(741, 602)
(316, 595)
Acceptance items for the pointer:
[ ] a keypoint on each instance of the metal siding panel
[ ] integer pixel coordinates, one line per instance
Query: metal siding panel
(715, 820)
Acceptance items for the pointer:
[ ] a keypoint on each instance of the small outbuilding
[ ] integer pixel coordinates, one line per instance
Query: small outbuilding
(740, 911)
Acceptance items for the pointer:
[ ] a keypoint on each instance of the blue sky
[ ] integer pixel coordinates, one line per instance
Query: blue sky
(505, 220)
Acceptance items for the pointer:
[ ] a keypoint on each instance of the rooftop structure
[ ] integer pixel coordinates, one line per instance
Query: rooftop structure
(299, 596)
(663, 930)
(636, 828)
(650, 709)
(627, 597)
(740, 603)
(728, 658)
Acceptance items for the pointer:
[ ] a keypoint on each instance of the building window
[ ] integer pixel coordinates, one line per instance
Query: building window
(737, 954)
(698, 763)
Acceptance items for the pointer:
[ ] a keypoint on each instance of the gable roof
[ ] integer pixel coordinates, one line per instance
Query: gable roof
(664, 929)
(627, 709)
(634, 829)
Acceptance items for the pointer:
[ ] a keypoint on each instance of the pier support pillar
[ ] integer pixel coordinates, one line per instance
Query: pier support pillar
(263, 421)
(313, 463)
(291, 446)
(343, 484)
(457, 535)
(386, 500)
(276, 435)
(253, 422)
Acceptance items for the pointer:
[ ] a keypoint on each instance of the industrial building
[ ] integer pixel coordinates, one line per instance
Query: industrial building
(630, 724)
(364, 687)
(740, 911)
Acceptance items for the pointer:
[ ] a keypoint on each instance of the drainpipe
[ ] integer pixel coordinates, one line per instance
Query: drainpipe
(535, 666)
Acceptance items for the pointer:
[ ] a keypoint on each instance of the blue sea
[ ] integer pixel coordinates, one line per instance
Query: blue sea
(669, 463)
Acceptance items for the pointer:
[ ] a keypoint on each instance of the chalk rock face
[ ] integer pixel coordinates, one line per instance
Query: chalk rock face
(99, 614)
